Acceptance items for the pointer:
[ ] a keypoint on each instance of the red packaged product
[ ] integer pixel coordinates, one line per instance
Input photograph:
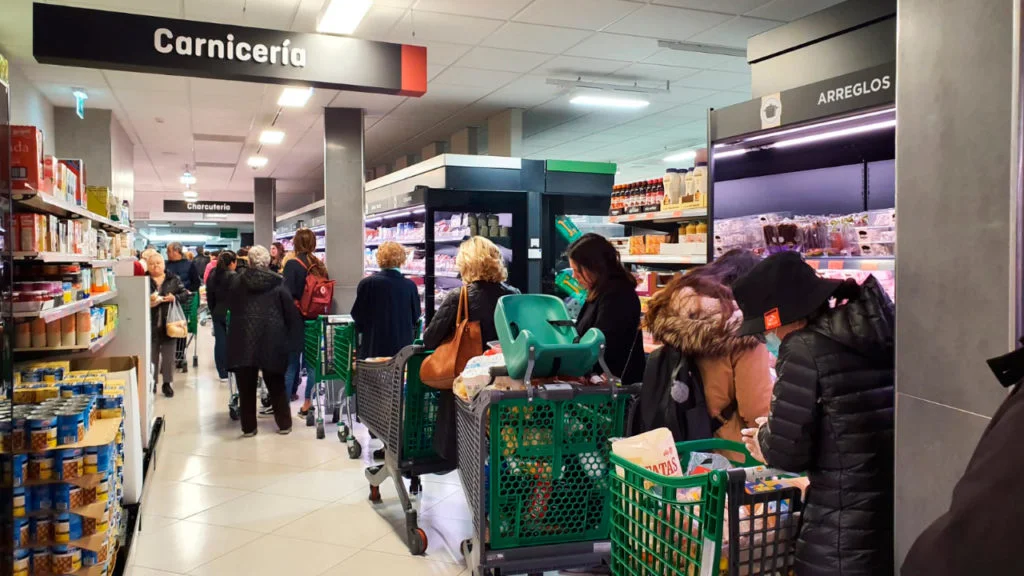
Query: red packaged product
(26, 158)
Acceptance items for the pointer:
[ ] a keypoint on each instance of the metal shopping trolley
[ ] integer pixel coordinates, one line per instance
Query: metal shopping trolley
(329, 352)
(704, 523)
(191, 310)
(400, 410)
(535, 468)
(233, 395)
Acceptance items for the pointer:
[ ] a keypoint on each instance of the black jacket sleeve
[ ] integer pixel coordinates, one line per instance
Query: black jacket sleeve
(359, 312)
(177, 288)
(294, 278)
(416, 310)
(211, 291)
(787, 441)
(292, 320)
(442, 325)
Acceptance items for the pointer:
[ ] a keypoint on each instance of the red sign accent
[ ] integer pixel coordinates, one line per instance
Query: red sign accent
(772, 320)
(414, 70)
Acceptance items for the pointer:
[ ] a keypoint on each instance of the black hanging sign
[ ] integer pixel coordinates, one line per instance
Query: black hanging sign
(117, 41)
(208, 207)
(840, 95)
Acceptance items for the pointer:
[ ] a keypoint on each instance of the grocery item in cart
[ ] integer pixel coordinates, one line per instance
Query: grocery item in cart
(654, 450)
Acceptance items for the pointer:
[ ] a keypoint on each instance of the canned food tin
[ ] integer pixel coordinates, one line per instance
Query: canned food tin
(62, 528)
(75, 497)
(6, 440)
(41, 561)
(40, 466)
(88, 526)
(67, 426)
(88, 495)
(42, 431)
(88, 557)
(42, 498)
(65, 559)
(20, 532)
(41, 531)
(103, 487)
(26, 394)
(19, 503)
(19, 432)
(20, 564)
(69, 464)
(15, 467)
(62, 497)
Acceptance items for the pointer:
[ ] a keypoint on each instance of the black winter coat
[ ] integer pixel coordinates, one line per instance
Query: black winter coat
(265, 324)
(218, 287)
(185, 272)
(386, 311)
(832, 416)
(295, 275)
(483, 299)
(616, 313)
(158, 315)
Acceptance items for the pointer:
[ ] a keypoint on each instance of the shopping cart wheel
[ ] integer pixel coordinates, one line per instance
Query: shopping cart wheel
(320, 434)
(415, 486)
(336, 415)
(343, 432)
(355, 450)
(375, 494)
(233, 412)
(417, 541)
(310, 418)
(195, 361)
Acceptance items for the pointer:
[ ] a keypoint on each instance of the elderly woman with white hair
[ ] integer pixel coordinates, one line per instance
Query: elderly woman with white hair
(164, 288)
(265, 324)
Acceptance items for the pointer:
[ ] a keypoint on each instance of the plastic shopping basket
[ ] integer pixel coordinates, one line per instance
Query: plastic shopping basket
(329, 351)
(400, 410)
(535, 466)
(675, 525)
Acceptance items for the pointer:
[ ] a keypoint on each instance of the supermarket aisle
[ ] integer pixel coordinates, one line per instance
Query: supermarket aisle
(219, 504)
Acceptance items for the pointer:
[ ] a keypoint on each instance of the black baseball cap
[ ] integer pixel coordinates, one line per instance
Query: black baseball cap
(781, 289)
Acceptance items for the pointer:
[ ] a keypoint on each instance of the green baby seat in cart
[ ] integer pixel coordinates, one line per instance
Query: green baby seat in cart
(540, 323)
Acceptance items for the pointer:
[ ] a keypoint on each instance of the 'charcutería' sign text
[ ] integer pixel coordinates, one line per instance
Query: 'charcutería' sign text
(208, 207)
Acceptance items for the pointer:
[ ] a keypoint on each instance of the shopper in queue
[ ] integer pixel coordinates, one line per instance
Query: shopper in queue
(265, 328)
(164, 287)
(217, 298)
(387, 306)
(832, 408)
(612, 305)
(276, 256)
(697, 320)
(295, 272)
(199, 263)
(178, 264)
(482, 268)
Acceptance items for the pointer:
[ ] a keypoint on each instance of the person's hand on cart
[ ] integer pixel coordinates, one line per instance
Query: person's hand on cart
(750, 439)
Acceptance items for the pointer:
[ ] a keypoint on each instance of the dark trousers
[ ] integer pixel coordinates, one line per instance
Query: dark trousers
(180, 350)
(220, 347)
(161, 354)
(248, 384)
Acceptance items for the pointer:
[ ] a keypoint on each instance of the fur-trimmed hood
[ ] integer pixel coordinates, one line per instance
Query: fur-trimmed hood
(693, 324)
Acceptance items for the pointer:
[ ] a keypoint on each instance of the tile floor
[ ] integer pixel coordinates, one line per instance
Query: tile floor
(219, 504)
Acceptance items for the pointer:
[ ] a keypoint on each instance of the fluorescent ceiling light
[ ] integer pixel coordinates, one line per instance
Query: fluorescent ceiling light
(155, 225)
(613, 87)
(257, 162)
(187, 179)
(294, 97)
(271, 137)
(702, 48)
(835, 134)
(342, 16)
(818, 125)
(682, 156)
(609, 102)
(181, 238)
(216, 216)
(205, 224)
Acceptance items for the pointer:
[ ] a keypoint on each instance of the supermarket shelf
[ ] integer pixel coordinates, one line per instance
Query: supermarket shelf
(53, 257)
(59, 312)
(446, 274)
(321, 229)
(663, 259)
(452, 240)
(102, 432)
(40, 202)
(84, 481)
(94, 510)
(662, 216)
(94, 346)
(853, 263)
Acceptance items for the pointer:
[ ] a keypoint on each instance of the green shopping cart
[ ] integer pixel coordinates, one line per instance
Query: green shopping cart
(329, 352)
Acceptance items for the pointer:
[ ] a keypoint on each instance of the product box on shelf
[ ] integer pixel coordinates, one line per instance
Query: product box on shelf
(75, 190)
(32, 230)
(98, 200)
(26, 158)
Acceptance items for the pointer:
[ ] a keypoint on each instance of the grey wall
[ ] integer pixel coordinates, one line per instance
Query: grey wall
(122, 162)
(953, 292)
(88, 139)
(30, 108)
(343, 193)
(264, 210)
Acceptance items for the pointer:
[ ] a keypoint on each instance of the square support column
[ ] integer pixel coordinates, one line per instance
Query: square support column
(264, 210)
(343, 193)
(505, 134)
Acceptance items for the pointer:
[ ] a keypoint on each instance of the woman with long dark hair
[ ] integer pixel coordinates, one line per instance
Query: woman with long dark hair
(295, 272)
(277, 253)
(217, 298)
(612, 305)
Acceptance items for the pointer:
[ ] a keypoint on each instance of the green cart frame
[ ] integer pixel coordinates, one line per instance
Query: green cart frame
(329, 352)
(191, 310)
(674, 525)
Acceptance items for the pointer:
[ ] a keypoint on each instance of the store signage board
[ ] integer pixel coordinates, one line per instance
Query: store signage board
(208, 207)
(401, 200)
(88, 38)
(229, 233)
(860, 90)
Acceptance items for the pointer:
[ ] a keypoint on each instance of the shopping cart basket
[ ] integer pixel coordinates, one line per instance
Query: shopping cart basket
(329, 350)
(534, 465)
(675, 525)
(400, 410)
(191, 310)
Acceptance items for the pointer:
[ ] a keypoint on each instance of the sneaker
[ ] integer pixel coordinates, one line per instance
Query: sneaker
(168, 390)
(268, 411)
(223, 379)
(248, 434)
(285, 431)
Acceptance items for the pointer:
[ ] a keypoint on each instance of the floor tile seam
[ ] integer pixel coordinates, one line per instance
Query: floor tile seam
(193, 571)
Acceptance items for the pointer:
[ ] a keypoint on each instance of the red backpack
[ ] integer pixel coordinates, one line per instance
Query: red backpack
(316, 296)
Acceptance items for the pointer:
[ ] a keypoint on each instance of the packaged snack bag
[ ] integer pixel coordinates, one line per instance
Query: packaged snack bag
(654, 450)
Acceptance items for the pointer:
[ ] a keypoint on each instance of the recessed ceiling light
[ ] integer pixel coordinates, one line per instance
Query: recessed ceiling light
(342, 16)
(190, 195)
(609, 101)
(216, 216)
(294, 97)
(156, 225)
(682, 156)
(187, 178)
(257, 162)
(205, 224)
(271, 137)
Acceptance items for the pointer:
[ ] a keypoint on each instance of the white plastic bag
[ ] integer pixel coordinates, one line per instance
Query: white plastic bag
(177, 324)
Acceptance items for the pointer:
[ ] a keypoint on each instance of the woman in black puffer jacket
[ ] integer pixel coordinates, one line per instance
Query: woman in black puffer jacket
(832, 409)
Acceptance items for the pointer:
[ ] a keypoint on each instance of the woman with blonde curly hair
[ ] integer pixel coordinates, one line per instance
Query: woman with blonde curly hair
(387, 306)
(483, 271)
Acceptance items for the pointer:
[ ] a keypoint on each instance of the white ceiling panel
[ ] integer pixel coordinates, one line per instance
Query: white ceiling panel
(584, 14)
(508, 60)
(136, 81)
(547, 39)
(667, 22)
(683, 94)
(416, 25)
(670, 57)
(726, 6)
(721, 99)
(789, 10)
(460, 76)
(222, 121)
(525, 92)
(716, 80)
(204, 91)
(373, 103)
(572, 66)
(615, 47)
(441, 52)
(379, 22)
(81, 77)
(205, 176)
(687, 112)
(148, 7)
(499, 9)
(207, 151)
(152, 100)
(735, 32)
(640, 71)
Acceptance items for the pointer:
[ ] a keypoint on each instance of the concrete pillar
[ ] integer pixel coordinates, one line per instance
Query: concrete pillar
(465, 141)
(102, 143)
(433, 149)
(406, 160)
(957, 306)
(264, 210)
(381, 170)
(505, 134)
(343, 192)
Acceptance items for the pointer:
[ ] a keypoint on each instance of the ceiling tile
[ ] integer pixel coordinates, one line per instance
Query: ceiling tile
(373, 103)
(222, 121)
(525, 92)
(721, 99)
(146, 7)
(68, 76)
(442, 52)
(417, 25)
(225, 11)
(671, 57)
(735, 32)
(547, 39)
(378, 22)
(508, 60)
(789, 10)
(138, 81)
(572, 66)
(546, 117)
(726, 6)
(585, 14)
(500, 9)
(615, 47)
(658, 72)
(206, 151)
(212, 93)
(667, 22)
(460, 76)
(716, 80)
(433, 70)
(273, 14)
